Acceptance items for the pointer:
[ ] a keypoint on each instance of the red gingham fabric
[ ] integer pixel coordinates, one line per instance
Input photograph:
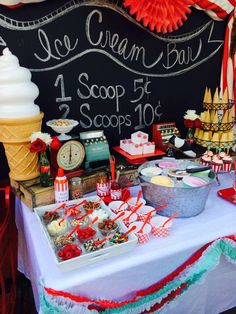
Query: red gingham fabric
(160, 231)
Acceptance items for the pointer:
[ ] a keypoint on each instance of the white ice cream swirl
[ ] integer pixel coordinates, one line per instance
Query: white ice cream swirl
(16, 89)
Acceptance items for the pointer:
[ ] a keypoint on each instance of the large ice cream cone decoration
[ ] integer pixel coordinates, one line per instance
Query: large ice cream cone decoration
(14, 134)
(19, 117)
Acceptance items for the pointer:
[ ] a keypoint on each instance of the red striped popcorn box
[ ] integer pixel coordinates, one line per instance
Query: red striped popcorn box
(103, 189)
(160, 232)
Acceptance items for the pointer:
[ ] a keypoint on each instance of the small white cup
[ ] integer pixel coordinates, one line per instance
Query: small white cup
(133, 200)
(115, 205)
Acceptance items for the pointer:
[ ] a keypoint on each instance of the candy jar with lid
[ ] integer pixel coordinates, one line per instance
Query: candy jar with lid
(76, 188)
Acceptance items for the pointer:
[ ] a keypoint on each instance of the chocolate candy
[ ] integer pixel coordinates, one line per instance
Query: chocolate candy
(91, 245)
(85, 234)
(69, 251)
(50, 216)
(118, 238)
(63, 240)
(107, 226)
(91, 205)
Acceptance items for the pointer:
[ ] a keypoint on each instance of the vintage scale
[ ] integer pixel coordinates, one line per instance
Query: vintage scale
(96, 147)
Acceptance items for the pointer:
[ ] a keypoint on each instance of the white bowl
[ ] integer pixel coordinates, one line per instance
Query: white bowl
(116, 204)
(62, 129)
(158, 221)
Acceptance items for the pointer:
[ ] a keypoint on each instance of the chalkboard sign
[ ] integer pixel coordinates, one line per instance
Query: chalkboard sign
(94, 63)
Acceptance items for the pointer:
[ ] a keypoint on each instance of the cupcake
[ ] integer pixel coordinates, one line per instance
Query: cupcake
(216, 163)
(227, 163)
(205, 160)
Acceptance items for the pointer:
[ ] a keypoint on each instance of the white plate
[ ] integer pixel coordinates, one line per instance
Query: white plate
(151, 171)
(194, 181)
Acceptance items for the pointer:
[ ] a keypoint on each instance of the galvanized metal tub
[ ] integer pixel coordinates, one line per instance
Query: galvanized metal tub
(188, 201)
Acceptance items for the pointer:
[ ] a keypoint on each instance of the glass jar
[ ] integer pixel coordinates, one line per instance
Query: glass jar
(76, 188)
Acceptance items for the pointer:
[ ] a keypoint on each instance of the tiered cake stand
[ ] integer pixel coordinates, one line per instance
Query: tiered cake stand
(221, 126)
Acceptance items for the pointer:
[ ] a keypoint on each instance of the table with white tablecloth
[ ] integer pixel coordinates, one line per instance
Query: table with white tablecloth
(119, 276)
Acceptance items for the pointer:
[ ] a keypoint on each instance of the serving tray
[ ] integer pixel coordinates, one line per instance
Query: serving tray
(85, 258)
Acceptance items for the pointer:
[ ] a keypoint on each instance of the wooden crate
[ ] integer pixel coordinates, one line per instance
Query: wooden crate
(33, 195)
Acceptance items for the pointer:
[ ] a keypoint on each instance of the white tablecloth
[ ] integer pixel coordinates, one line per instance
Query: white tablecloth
(143, 266)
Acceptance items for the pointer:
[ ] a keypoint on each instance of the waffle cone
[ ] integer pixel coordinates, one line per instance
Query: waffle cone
(15, 133)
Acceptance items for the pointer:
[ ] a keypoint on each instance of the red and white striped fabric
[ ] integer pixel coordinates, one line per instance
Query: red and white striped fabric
(216, 9)
(228, 69)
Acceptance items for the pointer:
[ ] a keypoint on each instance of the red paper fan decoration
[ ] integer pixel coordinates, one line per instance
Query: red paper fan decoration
(160, 15)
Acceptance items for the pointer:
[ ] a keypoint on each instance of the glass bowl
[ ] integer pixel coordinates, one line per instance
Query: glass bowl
(62, 126)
